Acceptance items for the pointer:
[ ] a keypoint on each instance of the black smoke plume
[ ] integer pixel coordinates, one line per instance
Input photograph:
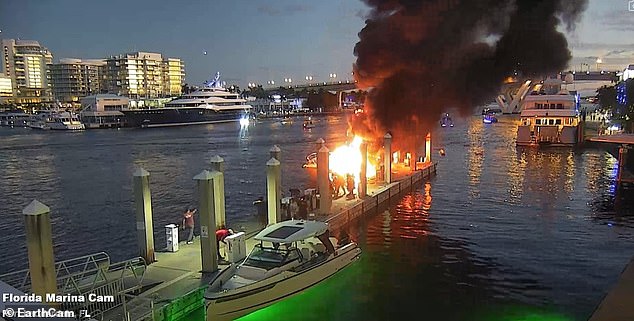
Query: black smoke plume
(424, 57)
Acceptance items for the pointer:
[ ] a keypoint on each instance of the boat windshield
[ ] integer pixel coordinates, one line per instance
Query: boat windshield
(269, 257)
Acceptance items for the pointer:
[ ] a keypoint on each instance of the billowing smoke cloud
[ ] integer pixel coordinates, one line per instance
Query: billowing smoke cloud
(424, 57)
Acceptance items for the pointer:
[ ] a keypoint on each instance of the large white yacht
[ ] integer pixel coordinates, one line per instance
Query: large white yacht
(291, 257)
(211, 104)
(549, 116)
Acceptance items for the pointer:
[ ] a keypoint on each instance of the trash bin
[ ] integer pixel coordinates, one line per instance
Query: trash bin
(171, 231)
(236, 247)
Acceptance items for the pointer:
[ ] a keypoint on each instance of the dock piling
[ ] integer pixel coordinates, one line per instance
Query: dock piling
(363, 184)
(218, 165)
(273, 191)
(276, 152)
(143, 209)
(320, 143)
(207, 210)
(387, 158)
(428, 148)
(323, 181)
(39, 242)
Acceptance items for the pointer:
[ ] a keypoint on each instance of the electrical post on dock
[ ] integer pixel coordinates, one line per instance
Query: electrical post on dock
(143, 209)
(207, 209)
(218, 165)
(39, 242)
(273, 191)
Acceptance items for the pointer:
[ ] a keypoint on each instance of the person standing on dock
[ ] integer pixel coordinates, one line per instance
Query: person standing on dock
(188, 223)
(350, 186)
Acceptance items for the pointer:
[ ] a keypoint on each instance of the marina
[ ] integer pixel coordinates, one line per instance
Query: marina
(249, 150)
(357, 160)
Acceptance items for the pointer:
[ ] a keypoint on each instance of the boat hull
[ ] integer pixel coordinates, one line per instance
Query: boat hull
(166, 117)
(233, 304)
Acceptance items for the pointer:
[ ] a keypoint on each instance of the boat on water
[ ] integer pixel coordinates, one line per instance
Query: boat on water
(489, 118)
(311, 161)
(446, 121)
(55, 120)
(14, 119)
(211, 104)
(549, 117)
(308, 123)
(290, 257)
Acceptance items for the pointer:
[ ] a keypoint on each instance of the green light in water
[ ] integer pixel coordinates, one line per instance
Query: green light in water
(522, 313)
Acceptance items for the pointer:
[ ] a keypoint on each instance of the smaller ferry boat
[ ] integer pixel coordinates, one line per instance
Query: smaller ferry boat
(446, 121)
(290, 257)
(308, 123)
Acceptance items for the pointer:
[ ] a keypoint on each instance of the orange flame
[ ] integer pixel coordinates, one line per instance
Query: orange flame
(346, 159)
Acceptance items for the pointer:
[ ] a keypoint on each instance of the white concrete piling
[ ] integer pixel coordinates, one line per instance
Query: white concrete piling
(276, 152)
(39, 242)
(207, 209)
(143, 209)
(387, 158)
(218, 165)
(428, 148)
(272, 191)
(363, 179)
(323, 181)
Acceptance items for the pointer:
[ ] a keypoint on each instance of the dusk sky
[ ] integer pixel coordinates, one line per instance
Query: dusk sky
(255, 41)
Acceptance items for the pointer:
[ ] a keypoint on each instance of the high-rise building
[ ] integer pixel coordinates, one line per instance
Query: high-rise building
(27, 63)
(142, 75)
(72, 79)
(174, 76)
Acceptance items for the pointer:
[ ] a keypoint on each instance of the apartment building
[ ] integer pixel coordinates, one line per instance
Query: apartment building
(143, 75)
(26, 63)
(72, 79)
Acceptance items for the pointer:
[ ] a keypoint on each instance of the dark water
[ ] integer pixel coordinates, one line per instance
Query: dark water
(499, 234)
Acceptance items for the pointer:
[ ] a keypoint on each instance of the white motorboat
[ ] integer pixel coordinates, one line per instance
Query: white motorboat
(290, 257)
(56, 121)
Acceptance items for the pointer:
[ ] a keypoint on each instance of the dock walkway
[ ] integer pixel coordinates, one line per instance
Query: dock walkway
(617, 304)
(176, 284)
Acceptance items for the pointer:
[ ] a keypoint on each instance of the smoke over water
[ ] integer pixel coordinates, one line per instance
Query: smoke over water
(427, 56)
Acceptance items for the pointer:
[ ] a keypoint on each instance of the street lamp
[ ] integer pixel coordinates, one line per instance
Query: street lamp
(332, 77)
(271, 82)
(599, 61)
(288, 81)
(309, 79)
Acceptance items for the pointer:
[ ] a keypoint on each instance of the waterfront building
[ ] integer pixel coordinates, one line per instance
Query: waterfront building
(143, 75)
(103, 111)
(72, 79)
(6, 88)
(26, 63)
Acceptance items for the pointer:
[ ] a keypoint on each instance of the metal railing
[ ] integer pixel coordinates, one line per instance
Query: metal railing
(79, 267)
(91, 277)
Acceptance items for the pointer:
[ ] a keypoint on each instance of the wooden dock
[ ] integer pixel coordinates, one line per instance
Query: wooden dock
(176, 284)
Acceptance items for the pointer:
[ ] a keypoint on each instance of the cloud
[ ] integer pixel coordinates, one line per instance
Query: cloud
(618, 19)
(283, 10)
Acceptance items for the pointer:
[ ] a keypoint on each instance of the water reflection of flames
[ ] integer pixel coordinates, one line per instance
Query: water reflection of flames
(346, 159)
